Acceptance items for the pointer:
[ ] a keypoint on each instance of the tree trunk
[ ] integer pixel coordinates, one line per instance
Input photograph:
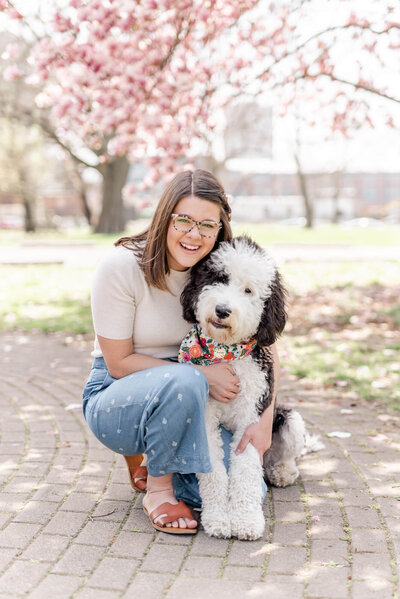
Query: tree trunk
(73, 171)
(112, 218)
(30, 225)
(308, 205)
(28, 200)
(336, 213)
(87, 213)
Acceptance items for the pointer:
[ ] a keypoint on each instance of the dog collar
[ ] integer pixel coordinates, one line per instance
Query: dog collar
(202, 350)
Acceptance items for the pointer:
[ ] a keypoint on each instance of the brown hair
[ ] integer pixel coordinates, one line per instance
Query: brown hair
(150, 246)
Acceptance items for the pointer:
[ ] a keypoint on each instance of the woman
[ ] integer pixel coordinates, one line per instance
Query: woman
(137, 400)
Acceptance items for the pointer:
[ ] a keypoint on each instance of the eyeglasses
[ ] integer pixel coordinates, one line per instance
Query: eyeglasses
(184, 224)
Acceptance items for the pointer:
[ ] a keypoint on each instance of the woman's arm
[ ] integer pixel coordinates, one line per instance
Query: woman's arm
(120, 357)
(121, 360)
(259, 433)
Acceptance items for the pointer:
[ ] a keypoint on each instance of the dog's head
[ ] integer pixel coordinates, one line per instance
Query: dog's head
(236, 293)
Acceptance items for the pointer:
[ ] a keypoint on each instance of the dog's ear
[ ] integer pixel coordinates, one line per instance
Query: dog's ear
(189, 298)
(274, 316)
(203, 273)
(192, 289)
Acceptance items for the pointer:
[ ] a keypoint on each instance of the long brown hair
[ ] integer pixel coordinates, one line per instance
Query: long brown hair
(150, 246)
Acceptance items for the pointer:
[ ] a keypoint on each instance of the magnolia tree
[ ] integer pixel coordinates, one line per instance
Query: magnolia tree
(128, 80)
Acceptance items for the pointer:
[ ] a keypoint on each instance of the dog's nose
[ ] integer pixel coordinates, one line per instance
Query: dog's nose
(222, 311)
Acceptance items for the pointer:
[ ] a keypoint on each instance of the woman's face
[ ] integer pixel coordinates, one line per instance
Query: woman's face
(184, 250)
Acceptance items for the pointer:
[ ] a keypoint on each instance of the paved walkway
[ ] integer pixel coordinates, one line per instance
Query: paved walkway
(71, 527)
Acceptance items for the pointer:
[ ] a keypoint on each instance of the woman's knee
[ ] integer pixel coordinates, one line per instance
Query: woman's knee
(189, 383)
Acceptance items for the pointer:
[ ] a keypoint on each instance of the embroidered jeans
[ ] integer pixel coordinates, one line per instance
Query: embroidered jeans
(158, 411)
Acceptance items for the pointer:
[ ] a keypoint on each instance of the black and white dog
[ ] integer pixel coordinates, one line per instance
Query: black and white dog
(237, 300)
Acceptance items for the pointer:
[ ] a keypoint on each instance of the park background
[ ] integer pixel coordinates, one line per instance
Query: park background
(294, 105)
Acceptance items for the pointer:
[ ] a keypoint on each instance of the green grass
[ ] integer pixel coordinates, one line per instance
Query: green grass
(83, 234)
(343, 330)
(48, 298)
(303, 277)
(371, 373)
(342, 334)
(324, 234)
(262, 233)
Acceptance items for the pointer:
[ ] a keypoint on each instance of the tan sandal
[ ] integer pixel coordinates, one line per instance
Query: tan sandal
(137, 473)
(167, 513)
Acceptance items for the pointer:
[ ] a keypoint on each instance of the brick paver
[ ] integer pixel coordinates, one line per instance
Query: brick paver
(71, 526)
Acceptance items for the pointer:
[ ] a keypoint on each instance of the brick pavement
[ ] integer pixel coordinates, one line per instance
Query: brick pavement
(71, 527)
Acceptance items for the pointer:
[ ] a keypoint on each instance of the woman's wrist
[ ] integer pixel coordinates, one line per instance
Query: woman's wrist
(266, 419)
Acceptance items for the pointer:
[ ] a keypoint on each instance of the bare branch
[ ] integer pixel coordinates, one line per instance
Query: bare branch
(359, 85)
(318, 35)
(53, 135)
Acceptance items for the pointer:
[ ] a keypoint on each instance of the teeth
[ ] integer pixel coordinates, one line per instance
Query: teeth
(190, 247)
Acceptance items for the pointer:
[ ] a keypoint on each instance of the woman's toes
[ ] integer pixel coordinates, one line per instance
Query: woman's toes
(182, 523)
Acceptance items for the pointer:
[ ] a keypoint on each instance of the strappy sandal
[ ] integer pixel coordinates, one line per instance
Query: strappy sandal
(137, 473)
(169, 513)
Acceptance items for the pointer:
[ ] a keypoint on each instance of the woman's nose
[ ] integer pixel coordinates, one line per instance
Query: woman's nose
(194, 233)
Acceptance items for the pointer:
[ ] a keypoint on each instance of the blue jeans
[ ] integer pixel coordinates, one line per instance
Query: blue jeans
(160, 412)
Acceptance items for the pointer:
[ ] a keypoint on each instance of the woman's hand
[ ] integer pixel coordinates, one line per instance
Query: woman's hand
(222, 380)
(259, 434)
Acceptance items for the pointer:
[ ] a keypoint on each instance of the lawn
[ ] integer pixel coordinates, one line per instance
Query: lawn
(265, 234)
(343, 331)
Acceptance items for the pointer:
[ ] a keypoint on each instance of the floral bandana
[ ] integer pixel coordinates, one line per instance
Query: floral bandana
(202, 350)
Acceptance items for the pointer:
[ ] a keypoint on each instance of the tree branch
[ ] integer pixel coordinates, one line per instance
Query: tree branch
(317, 35)
(355, 85)
(53, 135)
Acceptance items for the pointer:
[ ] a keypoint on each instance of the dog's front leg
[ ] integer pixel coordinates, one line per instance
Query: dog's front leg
(245, 491)
(214, 485)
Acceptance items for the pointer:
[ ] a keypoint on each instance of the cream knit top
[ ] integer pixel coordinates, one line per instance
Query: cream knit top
(123, 305)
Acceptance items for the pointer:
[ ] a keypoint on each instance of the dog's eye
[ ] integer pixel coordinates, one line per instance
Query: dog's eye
(248, 290)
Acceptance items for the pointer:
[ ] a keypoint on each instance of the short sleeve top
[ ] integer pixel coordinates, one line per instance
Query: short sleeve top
(124, 305)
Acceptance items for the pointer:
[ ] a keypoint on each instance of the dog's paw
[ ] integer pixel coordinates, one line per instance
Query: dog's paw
(282, 475)
(216, 525)
(248, 526)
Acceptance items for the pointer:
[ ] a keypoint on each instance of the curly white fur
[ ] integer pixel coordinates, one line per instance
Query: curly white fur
(232, 504)
(246, 276)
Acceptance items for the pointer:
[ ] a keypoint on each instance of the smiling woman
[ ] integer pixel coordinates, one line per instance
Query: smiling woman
(190, 238)
(137, 401)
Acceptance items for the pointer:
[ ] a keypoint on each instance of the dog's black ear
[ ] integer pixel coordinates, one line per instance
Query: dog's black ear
(274, 316)
(192, 289)
(203, 273)
(189, 298)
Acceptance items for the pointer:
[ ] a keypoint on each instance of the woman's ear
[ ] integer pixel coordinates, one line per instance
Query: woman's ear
(274, 316)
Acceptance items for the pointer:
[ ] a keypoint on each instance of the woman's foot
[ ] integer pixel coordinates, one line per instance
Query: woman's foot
(137, 471)
(159, 491)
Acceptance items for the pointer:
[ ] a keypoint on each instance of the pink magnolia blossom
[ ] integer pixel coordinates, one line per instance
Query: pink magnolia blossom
(12, 72)
(145, 79)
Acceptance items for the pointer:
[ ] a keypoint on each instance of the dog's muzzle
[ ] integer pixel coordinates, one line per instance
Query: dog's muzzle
(222, 311)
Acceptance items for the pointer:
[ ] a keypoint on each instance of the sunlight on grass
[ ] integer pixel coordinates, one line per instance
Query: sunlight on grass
(49, 298)
(342, 333)
(324, 234)
(301, 277)
(372, 372)
(263, 233)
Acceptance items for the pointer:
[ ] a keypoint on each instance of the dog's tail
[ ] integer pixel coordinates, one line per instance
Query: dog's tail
(291, 426)
(312, 443)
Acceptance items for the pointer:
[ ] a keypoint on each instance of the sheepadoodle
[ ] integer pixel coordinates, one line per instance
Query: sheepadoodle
(237, 300)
